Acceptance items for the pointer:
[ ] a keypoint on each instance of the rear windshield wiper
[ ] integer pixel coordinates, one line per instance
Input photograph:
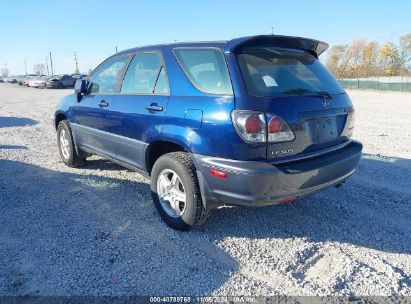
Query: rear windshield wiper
(298, 91)
(302, 91)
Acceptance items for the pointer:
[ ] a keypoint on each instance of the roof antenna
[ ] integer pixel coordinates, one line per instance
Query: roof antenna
(272, 30)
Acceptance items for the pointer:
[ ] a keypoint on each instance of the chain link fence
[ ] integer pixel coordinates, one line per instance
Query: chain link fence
(394, 83)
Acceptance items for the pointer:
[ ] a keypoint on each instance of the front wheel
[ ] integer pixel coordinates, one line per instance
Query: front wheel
(68, 153)
(175, 191)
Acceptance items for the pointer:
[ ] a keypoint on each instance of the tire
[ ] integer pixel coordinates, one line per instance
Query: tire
(67, 150)
(192, 211)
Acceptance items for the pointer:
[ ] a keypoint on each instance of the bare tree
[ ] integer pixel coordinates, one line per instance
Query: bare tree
(5, 72)
(355, 63)
(39, 69)
(405, 43)
(365, 59)
(335, 59)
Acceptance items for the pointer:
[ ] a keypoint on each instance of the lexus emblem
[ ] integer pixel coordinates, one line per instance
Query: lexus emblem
(325, 102)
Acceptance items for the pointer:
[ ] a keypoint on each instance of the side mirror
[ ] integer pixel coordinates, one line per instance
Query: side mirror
(80, 87)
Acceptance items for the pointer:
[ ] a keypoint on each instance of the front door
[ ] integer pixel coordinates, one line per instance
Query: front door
(137, 112)
(91, 121)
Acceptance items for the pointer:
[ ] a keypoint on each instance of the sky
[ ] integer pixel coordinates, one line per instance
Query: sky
(30, 29)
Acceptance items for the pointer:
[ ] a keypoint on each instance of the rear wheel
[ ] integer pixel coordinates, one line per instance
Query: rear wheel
(175, 191)
(68, 153)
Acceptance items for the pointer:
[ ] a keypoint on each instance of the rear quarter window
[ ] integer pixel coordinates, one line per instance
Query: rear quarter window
(206, 69)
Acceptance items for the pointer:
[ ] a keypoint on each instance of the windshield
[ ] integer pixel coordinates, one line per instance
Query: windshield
(276, 72)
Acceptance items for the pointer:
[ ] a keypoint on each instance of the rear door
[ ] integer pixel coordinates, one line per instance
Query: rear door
(295, 86)
(91, 123)
(137, 112)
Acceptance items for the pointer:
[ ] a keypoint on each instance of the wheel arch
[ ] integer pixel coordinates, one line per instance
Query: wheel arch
(59, 116)
(157, 148)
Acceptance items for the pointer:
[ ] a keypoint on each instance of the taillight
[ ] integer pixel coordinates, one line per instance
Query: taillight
(253, 124)
(278, 129)
(274, 125)
(250, 125)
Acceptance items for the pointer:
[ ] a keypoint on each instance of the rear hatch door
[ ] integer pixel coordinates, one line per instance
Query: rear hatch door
(293, 84)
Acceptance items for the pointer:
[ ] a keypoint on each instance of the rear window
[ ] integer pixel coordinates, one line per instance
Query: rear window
(276, 72)
(206, 69)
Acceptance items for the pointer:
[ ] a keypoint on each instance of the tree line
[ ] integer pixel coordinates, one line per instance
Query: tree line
(364, 58)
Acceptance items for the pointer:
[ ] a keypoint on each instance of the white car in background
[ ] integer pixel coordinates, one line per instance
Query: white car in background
(39, 82)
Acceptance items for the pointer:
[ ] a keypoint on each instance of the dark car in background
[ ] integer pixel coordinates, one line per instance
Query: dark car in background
(12, 79)
(252, 121)
(61, 81)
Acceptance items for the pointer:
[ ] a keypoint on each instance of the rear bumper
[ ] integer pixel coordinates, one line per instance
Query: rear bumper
(255, 183)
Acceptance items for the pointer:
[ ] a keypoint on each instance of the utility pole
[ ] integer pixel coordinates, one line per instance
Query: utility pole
(51, 64)
(25, 66)
(76, 61)
(47, 65)
(6, 71)
(272, 30)
(116, 49)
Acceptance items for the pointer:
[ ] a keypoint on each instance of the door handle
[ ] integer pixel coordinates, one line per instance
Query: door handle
(154, 108)
(103, 104)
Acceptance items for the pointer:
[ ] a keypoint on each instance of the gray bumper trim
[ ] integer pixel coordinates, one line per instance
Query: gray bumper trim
(253, 183)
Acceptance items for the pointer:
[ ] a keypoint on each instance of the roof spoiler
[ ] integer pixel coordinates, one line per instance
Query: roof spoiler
(315, 47)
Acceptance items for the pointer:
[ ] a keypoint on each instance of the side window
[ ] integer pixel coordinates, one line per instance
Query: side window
(145, 75)
(206, 69)
(104, 79)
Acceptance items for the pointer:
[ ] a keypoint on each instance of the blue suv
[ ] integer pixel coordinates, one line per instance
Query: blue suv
(252, 121)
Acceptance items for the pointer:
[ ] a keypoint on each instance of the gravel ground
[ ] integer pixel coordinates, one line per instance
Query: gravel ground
(94, 230)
